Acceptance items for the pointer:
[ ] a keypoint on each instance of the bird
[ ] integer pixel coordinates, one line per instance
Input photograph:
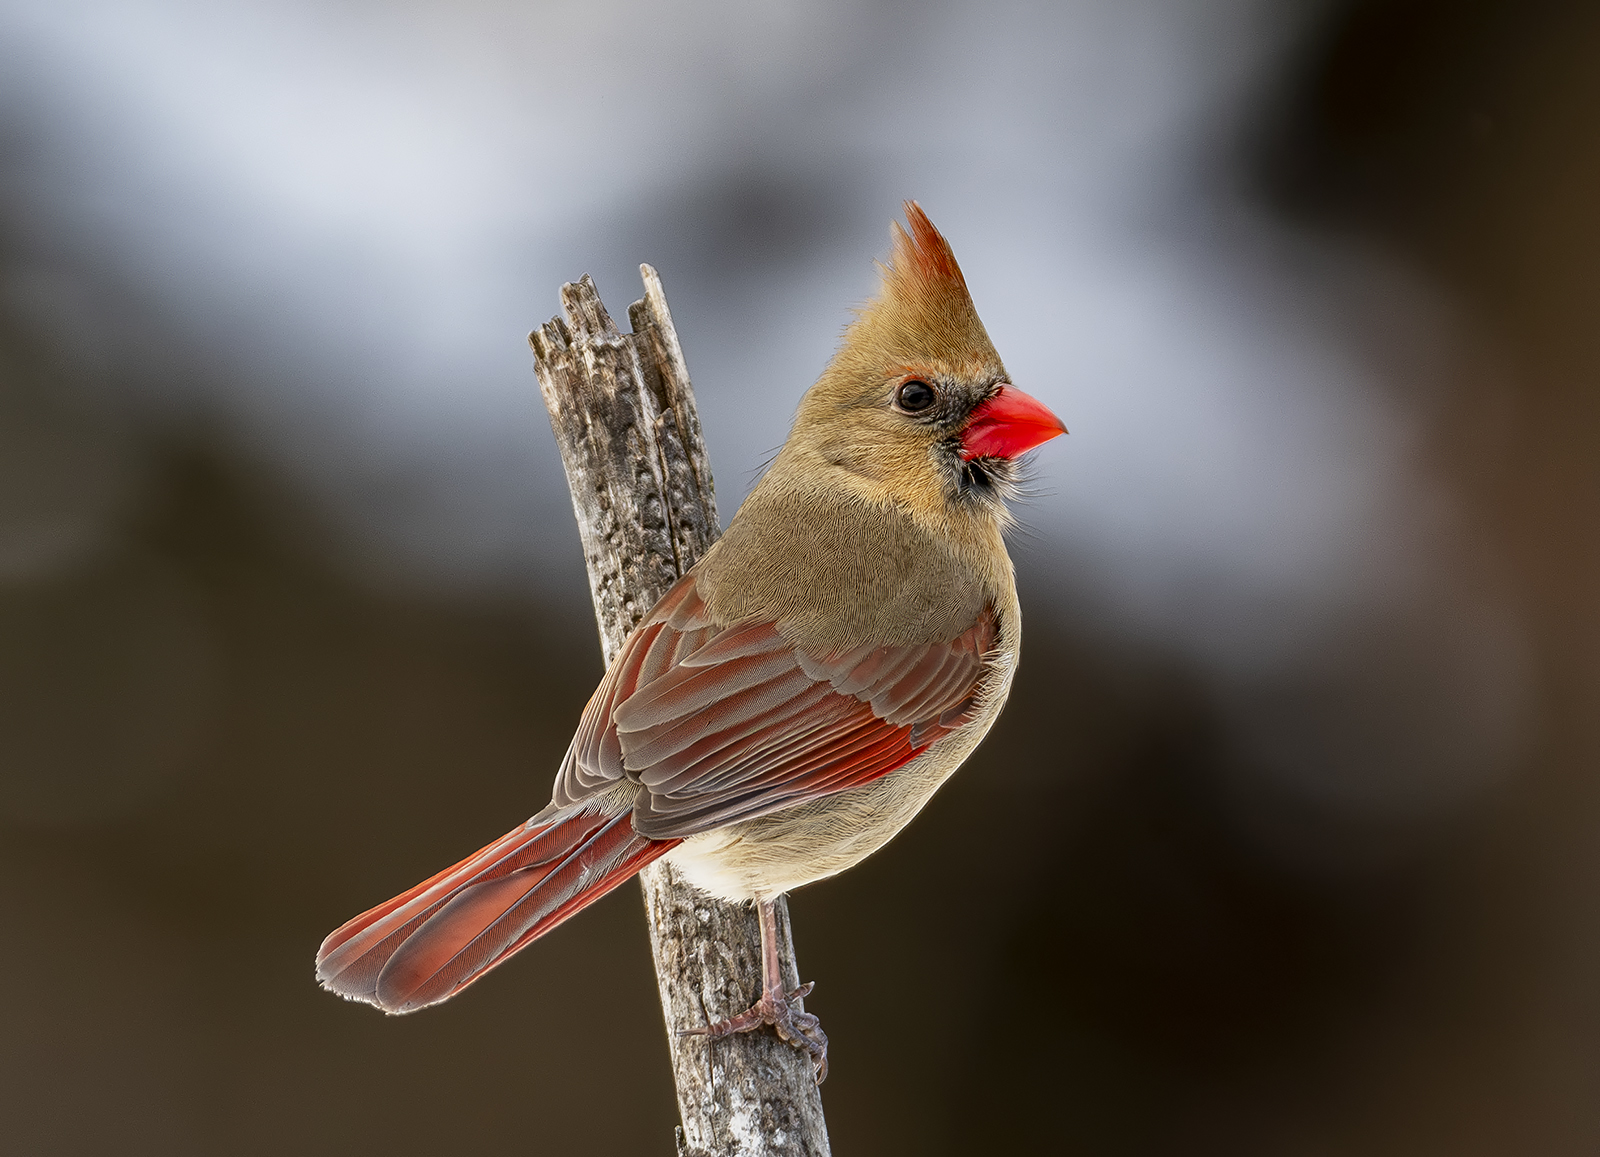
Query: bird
(796, 698)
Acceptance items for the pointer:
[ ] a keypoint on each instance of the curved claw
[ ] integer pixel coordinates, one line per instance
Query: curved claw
(801, 1029)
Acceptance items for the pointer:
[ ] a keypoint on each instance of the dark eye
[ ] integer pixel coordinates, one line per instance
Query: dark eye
(914, 397)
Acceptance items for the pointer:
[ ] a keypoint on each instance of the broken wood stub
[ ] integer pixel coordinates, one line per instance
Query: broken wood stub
(623, 412)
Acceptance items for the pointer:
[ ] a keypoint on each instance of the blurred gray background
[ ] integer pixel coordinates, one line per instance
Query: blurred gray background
(1287, 843)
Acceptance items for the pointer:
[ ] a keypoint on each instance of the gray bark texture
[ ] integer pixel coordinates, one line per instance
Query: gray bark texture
(624, 418)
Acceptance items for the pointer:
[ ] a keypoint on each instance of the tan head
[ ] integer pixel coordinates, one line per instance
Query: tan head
(917, 403)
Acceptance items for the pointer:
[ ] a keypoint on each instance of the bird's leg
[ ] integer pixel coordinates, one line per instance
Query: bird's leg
(776, 1007)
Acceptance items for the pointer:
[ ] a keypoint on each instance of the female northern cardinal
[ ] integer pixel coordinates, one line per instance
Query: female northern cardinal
(798, 696)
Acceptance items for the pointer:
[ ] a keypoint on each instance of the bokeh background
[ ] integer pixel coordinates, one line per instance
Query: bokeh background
(1288, 841)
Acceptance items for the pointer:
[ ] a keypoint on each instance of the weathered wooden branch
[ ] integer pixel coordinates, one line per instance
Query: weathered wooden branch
(624, 417)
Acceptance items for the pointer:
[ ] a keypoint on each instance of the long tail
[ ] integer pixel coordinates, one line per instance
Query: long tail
(428, 944)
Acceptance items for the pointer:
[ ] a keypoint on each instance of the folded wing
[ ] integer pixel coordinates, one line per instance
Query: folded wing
(725, 724)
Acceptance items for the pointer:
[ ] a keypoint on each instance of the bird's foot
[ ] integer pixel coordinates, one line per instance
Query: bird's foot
(801, 1029)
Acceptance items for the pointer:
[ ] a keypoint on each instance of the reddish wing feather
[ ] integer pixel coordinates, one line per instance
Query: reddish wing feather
(738, 723)
(594, 760)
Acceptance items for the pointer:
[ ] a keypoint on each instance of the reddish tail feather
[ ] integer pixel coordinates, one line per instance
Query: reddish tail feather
(429, 943)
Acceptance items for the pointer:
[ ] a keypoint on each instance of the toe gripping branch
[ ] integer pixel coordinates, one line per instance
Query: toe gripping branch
(776, 1007)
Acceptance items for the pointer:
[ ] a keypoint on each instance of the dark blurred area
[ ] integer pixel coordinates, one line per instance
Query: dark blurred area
(1155, 914)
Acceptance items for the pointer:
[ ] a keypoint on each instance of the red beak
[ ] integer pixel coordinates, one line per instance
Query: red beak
(1008, 424)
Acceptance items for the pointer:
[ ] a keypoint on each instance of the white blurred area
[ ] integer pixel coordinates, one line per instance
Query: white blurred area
(358, 210)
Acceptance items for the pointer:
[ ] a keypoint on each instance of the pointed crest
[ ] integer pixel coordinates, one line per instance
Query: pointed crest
(922, 262)
(923, 312)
